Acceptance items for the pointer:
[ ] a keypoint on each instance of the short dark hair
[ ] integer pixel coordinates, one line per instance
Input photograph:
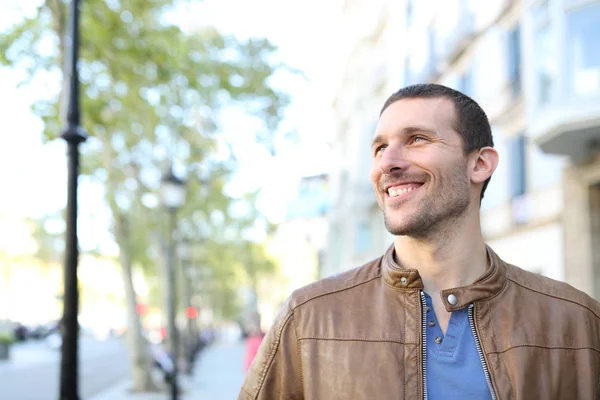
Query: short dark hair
(471, 121)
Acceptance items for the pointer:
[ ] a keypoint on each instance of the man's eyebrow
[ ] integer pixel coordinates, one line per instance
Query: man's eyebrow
(377, 139)
(404, 131)
(417, 129)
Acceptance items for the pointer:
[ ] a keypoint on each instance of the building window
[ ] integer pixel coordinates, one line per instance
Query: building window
(407, 73)
(546, 66)
(544, 54)
(465, 82)
(517, 149)
(410, 12)
(431, 61)
(541, 13)
(514, 60)
(336, 250)
(583, 51)
(421, 58)
(363, 238)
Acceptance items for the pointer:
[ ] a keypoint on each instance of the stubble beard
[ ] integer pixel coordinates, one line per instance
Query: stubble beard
(438, 211)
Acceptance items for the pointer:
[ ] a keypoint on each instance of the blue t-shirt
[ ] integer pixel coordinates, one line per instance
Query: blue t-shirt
(453, 368)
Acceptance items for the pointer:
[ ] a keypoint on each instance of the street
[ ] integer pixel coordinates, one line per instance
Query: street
(219, 374)
(33, 371)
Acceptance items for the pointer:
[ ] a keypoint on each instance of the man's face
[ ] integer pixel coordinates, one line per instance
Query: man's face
(419, 171)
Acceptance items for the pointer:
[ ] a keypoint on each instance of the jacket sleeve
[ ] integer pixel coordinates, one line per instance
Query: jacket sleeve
(276, 371)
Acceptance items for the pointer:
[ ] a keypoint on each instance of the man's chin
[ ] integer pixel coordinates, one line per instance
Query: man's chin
(399, 228)
(401, 214)
(405, 223)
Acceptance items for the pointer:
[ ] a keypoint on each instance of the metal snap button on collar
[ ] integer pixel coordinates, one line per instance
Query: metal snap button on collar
(452, 299)
(404, 280)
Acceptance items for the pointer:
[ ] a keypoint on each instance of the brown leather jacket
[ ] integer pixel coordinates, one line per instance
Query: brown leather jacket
(359, 335)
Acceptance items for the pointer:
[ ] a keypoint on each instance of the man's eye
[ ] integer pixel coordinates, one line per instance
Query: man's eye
(418, 138)
(379, 149)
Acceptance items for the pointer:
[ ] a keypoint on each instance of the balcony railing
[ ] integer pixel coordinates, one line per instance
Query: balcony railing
(570, 128)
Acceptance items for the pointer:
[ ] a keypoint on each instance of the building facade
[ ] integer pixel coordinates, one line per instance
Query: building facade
(356, 232)
(563, 116)
(298, 245)
(479, 49)
(535, 70)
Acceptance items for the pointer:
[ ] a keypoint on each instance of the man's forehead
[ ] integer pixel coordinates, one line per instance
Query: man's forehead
(429, 113)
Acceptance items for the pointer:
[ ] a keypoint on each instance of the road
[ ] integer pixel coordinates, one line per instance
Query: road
(34, 369)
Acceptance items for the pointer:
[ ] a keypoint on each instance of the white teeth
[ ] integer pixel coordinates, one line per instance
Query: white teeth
(394, 193)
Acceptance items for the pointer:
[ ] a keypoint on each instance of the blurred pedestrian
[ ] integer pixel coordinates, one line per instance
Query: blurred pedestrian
(253, 340)
(162, 360)
(439, 315)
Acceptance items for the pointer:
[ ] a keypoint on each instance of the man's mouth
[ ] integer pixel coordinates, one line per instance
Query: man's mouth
(398, 190)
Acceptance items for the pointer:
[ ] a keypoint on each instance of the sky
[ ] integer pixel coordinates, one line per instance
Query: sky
(34, 174)
(306, 36)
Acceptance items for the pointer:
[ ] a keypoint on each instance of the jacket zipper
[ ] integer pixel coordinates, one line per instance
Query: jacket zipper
(481, 356)
(424, 342)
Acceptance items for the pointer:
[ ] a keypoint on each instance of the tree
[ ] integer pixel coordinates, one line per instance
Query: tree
(223, 250)
(48, 233)
(151, 96)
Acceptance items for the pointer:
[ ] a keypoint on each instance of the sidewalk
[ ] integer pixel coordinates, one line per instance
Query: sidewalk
(218, 376)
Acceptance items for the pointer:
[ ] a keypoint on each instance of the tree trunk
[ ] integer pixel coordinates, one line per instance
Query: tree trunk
(139, 355)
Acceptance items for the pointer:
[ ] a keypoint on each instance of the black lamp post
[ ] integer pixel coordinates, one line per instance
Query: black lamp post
(74, 135)
(173, 197)
(188, 276)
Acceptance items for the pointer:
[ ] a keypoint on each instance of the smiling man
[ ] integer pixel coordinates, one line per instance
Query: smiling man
(439, 315)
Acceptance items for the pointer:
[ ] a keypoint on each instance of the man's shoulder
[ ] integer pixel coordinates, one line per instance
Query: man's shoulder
(341, 283)
(539, 285)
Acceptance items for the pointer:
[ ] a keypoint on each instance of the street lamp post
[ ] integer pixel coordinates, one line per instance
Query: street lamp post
(187, 278)
(173, 197)
(74, 135)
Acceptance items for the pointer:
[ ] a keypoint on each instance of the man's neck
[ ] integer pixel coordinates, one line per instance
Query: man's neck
(457, 257)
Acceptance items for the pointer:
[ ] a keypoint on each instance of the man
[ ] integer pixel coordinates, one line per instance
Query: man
(440, 315)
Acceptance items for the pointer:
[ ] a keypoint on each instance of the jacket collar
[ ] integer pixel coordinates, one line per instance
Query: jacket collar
(485, 287)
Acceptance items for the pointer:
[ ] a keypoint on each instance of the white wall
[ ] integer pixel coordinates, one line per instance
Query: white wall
(538, 250)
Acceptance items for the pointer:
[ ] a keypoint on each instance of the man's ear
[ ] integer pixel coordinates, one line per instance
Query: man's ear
(484, 164)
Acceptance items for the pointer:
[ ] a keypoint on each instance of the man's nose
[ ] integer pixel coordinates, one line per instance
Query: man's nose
(393, 160)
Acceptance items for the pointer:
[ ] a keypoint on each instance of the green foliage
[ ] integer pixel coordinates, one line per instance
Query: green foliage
(222, 266)
(151, 95)
(6, 338)
(50, 242)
